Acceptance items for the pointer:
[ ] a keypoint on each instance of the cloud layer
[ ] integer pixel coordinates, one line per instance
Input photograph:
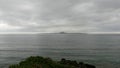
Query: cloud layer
(59, 15)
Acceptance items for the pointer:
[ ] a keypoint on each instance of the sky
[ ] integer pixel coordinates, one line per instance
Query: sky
(74, 16)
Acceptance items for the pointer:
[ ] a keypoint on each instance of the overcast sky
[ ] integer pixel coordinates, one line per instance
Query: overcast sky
(59, 15)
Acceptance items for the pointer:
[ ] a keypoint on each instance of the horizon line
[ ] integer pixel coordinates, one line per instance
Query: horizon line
(58, 32)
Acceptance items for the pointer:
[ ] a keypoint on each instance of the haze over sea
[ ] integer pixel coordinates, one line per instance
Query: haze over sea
(100, 50)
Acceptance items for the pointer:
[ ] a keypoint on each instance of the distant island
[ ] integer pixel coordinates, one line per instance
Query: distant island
(70, 33)
(41, 62)
(62, 32)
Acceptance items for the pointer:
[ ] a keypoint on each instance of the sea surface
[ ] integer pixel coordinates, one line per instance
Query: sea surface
(100, 50)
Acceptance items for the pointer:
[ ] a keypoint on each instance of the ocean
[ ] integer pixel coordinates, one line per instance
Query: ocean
(103, 50)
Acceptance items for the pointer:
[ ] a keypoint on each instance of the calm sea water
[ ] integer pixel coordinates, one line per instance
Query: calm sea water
(100, 50)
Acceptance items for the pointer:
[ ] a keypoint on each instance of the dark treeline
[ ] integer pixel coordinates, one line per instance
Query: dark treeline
(41, 62)
(76, 64)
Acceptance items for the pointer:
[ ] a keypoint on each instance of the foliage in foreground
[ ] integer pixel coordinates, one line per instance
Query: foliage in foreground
(41, 62)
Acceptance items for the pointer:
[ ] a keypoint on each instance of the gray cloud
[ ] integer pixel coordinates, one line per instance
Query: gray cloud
(59, 15)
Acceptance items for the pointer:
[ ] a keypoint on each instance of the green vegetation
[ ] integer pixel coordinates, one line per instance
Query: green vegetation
(41, 62)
